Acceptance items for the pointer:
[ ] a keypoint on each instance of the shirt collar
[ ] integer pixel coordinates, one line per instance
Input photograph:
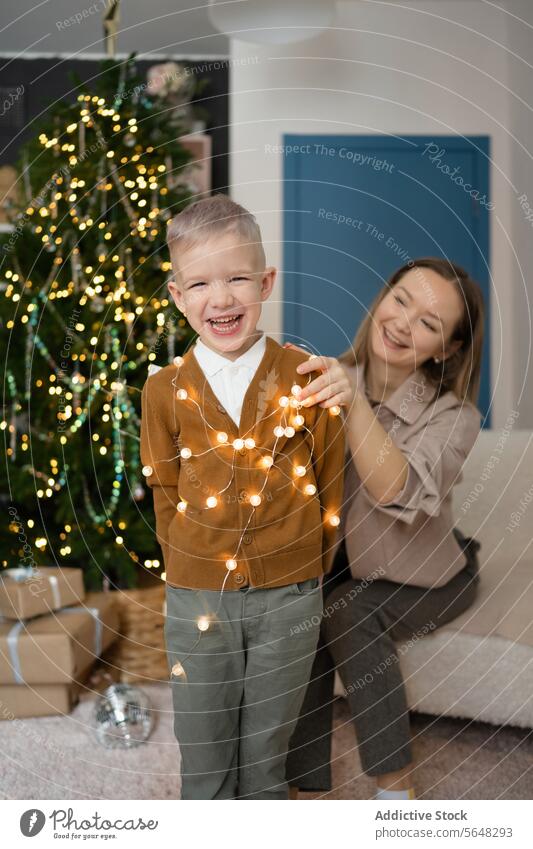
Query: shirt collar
(410, 399)
(212, 362)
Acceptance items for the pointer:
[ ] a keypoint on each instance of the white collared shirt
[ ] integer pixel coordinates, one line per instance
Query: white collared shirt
(229, 379)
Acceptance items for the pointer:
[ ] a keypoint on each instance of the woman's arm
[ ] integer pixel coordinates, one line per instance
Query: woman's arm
(380, 464)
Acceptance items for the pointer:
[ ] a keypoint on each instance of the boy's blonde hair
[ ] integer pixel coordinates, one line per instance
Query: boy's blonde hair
(213, 216)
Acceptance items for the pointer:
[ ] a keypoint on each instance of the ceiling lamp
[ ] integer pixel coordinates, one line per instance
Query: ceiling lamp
(271, 21)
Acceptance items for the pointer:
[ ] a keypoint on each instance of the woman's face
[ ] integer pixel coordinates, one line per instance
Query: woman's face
(415, 320)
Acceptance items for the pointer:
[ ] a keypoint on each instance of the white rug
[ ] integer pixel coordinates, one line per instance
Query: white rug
(58, 757)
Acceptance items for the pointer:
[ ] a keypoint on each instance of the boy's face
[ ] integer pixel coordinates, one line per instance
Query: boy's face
(220, 284)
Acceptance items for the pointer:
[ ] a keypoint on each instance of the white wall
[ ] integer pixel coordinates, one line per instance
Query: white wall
(427, 67)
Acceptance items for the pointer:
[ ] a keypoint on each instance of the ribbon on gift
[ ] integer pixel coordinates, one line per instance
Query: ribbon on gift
(13, 636)
(28, 573)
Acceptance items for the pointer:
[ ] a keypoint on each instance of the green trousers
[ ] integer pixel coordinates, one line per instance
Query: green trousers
(241, 683)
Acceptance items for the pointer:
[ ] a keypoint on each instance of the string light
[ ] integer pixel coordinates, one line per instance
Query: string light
(212, 501)
(147, 471)
(182, 506)
(238, 444)
(222, 437)
(335, 410)
(255, 500)
(203, 623)
(231, 565)
(299, 471)
(186, 453)
(178, 361)
(182, 394)
(334, 521)
(310, 489)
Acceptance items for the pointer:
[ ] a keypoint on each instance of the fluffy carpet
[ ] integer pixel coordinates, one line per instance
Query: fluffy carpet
(58, 758)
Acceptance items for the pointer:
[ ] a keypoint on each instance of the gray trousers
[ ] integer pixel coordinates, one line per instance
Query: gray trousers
(361, 623)
(238, 700)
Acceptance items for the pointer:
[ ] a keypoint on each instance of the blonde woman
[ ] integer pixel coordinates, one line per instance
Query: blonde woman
(408, 388)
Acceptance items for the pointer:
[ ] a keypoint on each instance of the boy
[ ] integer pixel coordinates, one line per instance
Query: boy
(247, 488)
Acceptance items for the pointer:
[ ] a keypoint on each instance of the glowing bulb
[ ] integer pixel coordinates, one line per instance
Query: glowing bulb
(182, 506)
(185, 453)
(299, 420)
(178, 361)
(255, 500)
(238, 444)
(178, 670)
(231, 565)
(279, 431)
(310, 489)
(222, 437)
(211, 501)
(283, 401)
(181, 394)
(147, 471)
(334, 521)
(299, 471)
(266, 462)
(250, 443)
(335, 410)
(203, 623)
(289, 431)
(295, 390)
(312, 356)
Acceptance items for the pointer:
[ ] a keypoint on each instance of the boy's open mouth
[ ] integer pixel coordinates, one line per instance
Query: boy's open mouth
(225, 325)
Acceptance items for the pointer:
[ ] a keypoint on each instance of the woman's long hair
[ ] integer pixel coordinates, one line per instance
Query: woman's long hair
(458, 373)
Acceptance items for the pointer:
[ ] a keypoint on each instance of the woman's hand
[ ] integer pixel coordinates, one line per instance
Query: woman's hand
(332, 387)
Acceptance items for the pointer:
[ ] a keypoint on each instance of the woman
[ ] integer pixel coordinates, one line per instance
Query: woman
(409, 387)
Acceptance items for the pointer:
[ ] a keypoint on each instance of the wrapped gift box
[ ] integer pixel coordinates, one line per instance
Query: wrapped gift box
(58, 648)
(21, 701)
(32, 592)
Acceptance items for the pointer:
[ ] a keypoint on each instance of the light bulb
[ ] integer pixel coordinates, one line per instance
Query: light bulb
(222, 437)
(178, 670)
(283, 401)
(310, 489)
(231, 565)
(182, 506)
(300, 471)
(255, 500)
(289, 431)
(147, 471)
(295, 390)
(181, 394)
(295, 404)
(178, 361)
(211, 501)
(335, 410)
(334, 521)
(185, 453)
(238, 444)
(279, 431)
(250, 443)
(266, 462)
(203, 623)
(299, 421)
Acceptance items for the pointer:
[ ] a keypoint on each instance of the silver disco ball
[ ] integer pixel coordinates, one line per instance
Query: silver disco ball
(122, 717)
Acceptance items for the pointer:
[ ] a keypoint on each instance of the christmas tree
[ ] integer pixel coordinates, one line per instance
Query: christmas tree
(84, 312)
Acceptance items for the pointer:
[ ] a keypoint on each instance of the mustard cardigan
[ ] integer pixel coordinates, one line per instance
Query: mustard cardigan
(213, 531)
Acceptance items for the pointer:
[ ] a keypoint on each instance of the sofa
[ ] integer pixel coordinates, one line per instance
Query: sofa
(480, 666)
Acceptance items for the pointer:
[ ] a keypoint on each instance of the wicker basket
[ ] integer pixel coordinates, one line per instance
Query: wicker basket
(139, 653)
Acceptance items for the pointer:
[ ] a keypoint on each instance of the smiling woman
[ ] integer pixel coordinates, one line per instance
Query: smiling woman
(409, 384)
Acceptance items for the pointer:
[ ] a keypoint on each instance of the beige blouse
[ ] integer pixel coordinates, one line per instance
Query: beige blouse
(410, 540)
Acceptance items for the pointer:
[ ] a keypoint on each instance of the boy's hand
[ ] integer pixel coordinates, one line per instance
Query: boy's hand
(332, 387)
